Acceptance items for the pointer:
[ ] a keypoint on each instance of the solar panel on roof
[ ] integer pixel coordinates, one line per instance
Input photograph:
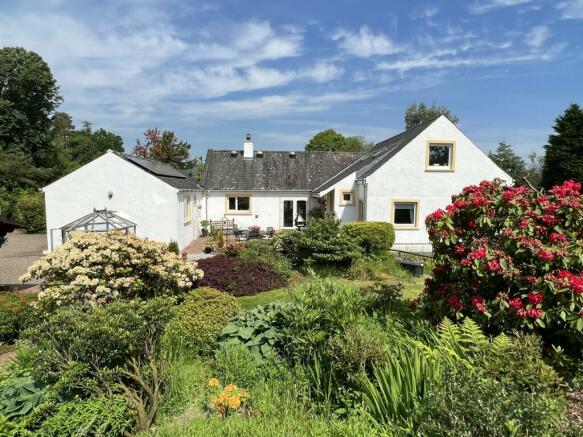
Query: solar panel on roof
(158, 168)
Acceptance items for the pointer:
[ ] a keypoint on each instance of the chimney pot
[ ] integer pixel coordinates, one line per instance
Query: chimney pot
(248, 147)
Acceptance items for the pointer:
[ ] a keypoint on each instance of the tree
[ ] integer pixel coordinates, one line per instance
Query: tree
(564, 151)
(418, 113)
(28, 96)
(330, 140)
(534, 169)
(163, 146)
(509, 161)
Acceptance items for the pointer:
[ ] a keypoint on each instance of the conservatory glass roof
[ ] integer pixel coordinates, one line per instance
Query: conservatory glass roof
(100, 220)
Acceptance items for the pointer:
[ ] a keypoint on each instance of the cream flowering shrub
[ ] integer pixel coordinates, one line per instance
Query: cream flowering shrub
(99, 268)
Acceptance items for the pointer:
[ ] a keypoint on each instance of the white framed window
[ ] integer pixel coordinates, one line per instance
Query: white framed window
(440, 156)
(346, 197)
(405, 214)
(187, 209)
(238, 203)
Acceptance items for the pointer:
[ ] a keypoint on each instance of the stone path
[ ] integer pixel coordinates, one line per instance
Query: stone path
(18, 253)
(195, 250)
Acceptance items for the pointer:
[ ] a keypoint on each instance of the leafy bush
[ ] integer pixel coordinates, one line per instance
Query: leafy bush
(30, 210)
(259, 329)
(238, 277)
(201, 317)
(19, 396)
(374, 238)
(286, 244)
(323, 242)
(173, 247)
(79, 348)
(96, 416)
(510, 257)
(16, 313)
(104, 267)
(380, 267)
(264, 252)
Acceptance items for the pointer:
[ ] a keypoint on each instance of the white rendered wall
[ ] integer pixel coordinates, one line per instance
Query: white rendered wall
(137, 196)
(188, 230)
(266, 207)
(347, 213)
(405, 177)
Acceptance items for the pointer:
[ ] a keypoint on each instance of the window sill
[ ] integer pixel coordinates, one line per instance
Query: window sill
(238, 213)
(187, 221)
(405, 227)
(438, 169)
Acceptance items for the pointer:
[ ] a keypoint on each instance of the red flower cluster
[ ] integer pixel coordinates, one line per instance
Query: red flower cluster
(512, 255)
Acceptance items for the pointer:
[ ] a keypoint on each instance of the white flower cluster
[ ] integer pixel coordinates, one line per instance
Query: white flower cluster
(103, 267)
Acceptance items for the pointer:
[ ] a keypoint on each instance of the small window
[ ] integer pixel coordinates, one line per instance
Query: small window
(346, 198)
(440, 156)
(187, 209)
(238, 204)
(405, 214)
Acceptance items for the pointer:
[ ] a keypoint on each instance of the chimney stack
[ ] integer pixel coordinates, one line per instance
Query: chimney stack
(248, 147)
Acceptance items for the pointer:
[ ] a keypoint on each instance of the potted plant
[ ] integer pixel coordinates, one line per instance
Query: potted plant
(204, 228)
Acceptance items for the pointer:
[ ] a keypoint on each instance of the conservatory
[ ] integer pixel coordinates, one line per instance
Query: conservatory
(100, 220)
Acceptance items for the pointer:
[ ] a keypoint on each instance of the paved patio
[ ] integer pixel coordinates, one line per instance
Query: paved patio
(195, 250)
(19, 252)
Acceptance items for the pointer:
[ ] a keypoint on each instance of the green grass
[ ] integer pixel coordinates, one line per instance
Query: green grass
(412, 289)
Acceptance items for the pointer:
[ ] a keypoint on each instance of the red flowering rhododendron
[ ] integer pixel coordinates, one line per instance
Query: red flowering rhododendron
(509, 257)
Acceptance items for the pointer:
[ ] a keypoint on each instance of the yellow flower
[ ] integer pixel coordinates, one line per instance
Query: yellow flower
(230, 388)
(234, 402)
(213, 382)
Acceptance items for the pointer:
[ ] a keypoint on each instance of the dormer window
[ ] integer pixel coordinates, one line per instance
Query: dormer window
(440, 156)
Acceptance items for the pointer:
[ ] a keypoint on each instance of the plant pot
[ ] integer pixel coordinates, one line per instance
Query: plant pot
(208, 249)
(204, 232)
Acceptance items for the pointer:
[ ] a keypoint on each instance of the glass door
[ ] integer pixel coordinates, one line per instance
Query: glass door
(291, 210)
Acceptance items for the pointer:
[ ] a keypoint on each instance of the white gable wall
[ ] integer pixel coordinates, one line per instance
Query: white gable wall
(347, 213)
(138, 196)
(404, 178)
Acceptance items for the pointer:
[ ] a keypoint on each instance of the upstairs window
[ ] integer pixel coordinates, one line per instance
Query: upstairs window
(346, 198)
(238, 204)
(440, 156)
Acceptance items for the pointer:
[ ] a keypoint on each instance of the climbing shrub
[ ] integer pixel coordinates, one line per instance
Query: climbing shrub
(374, 238)
(511, 257)
(201, 317)
(100, 268)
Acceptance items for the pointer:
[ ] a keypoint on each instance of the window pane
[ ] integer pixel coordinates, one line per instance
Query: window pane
(439, 155)
(405, 213)
(347, 197)
(301, 206)
(242, 204)
(232, 203)
(288, 213)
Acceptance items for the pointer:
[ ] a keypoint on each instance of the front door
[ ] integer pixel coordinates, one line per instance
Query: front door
(290, 210)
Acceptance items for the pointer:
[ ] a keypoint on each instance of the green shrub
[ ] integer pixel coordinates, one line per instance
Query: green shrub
(19, 396)
(30, 211)
(173, 247)
(374, 238)
(286, 243)
(380, 267)
(15, 314)
(96, 416)
(12, 429)
(264, 252)
(324, 242)
(468, 403)
(77, 348)
(259, 329)
(201, 317)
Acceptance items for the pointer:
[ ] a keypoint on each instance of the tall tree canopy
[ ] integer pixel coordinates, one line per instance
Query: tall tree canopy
(28, 97)
(564, 151)
(419, 113)
(509, 161)
(165, 147)
(330, 140)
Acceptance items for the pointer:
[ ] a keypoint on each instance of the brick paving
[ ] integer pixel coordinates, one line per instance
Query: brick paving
(18, 253)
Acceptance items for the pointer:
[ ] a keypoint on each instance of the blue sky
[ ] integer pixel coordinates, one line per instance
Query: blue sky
(284, 70)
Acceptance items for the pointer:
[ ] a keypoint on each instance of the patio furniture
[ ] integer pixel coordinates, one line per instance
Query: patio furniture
(269, 232)
(241, 234)
(254, 232)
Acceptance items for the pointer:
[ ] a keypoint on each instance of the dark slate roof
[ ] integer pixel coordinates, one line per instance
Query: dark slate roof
(164, 172)
(376, 156)
(273, 171)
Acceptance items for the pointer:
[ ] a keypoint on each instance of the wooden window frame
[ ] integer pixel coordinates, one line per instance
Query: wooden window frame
(342, 202)
(451, 166)
(188, 207)
(414, 226)
(236, 212)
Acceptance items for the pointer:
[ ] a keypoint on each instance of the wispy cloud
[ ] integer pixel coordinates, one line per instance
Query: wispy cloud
(365, 43)
(537, 36)
(571, 9)
(481, 7)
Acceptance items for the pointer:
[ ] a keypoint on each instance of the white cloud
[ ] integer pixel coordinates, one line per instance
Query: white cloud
(364, 43)
(571, 9)
(482, 7)
(537, 36)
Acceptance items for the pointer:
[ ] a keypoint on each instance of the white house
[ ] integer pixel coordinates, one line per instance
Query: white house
(400, 180)
(160, 200)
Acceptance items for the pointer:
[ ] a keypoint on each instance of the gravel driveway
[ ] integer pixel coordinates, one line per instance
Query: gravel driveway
(19, 252)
